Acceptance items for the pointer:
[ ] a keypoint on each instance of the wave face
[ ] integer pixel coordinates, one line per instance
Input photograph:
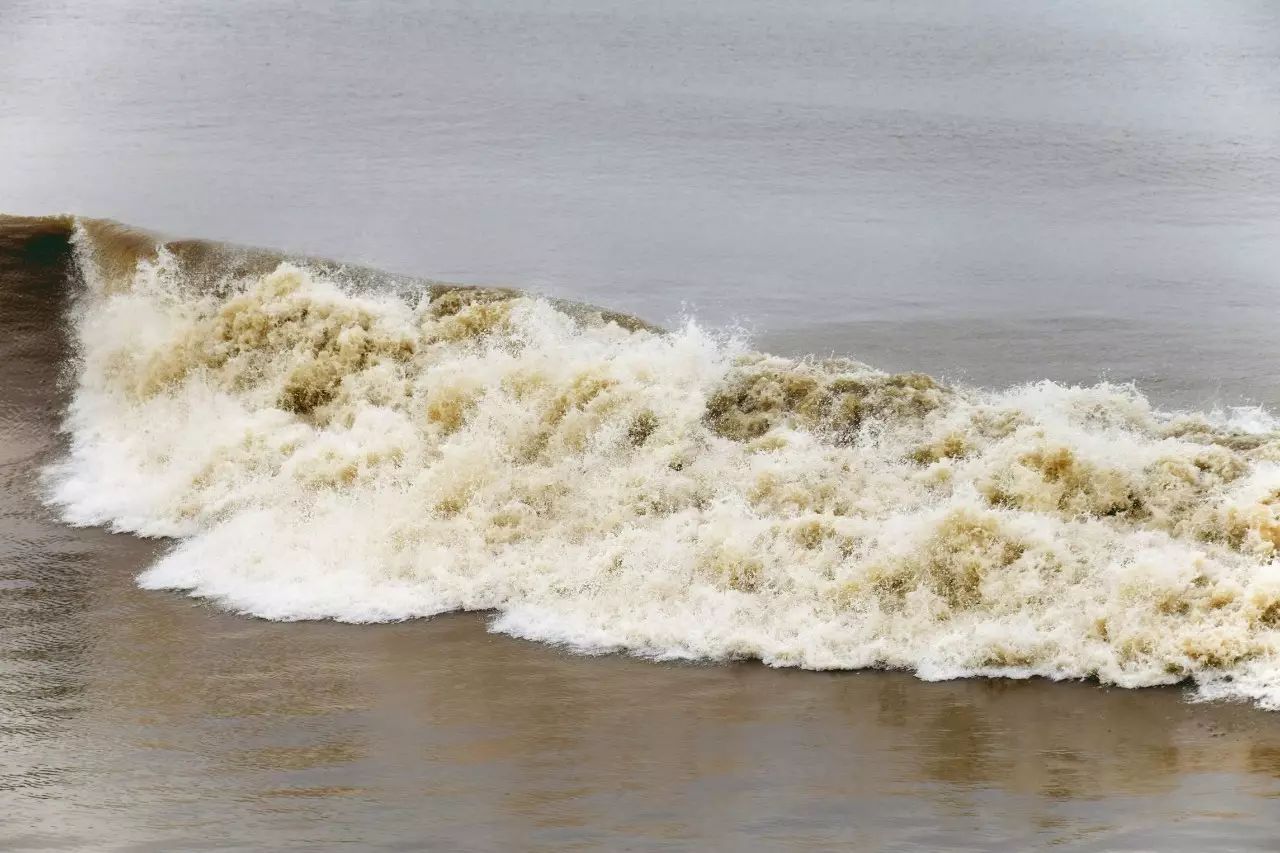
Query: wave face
(326, 447)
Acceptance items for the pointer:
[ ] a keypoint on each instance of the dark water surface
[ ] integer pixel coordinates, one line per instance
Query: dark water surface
(997, 191)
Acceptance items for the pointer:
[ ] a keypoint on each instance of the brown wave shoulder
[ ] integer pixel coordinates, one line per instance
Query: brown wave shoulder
(115, 250)
(32, 247)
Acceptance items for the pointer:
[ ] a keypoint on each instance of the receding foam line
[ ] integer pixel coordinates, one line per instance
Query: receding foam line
(325, 448)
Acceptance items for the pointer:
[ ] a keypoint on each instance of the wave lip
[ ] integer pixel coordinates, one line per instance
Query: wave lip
(327, 446)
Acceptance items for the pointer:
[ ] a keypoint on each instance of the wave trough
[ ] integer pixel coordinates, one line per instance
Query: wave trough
(326, 445)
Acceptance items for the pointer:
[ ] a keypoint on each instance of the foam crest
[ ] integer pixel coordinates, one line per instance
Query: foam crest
(325, 449)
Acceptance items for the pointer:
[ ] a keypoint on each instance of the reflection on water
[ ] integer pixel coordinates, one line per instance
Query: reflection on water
(177, 724)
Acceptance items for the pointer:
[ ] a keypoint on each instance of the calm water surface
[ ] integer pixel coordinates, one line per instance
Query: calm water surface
(998, 192)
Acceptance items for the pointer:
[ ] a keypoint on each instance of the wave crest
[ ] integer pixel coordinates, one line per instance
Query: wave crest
(326, 446)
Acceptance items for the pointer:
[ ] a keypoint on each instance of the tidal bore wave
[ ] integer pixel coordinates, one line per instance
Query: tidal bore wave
(329, 443)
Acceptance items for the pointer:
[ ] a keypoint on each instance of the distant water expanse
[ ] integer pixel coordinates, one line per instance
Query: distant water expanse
(906, 258)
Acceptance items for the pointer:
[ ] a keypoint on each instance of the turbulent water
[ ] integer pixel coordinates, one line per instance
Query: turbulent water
(330, 443)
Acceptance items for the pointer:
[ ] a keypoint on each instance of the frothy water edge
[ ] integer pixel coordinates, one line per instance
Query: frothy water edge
(324, 447)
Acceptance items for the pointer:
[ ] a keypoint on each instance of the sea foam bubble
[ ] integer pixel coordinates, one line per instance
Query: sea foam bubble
(323, 449)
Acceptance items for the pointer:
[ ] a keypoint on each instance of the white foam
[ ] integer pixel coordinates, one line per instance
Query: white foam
(327, 454)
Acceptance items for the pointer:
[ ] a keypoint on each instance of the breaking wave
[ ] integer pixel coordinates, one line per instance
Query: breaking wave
(328, 443)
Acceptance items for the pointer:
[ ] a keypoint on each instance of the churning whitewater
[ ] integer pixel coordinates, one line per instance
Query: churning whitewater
(325, 448)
